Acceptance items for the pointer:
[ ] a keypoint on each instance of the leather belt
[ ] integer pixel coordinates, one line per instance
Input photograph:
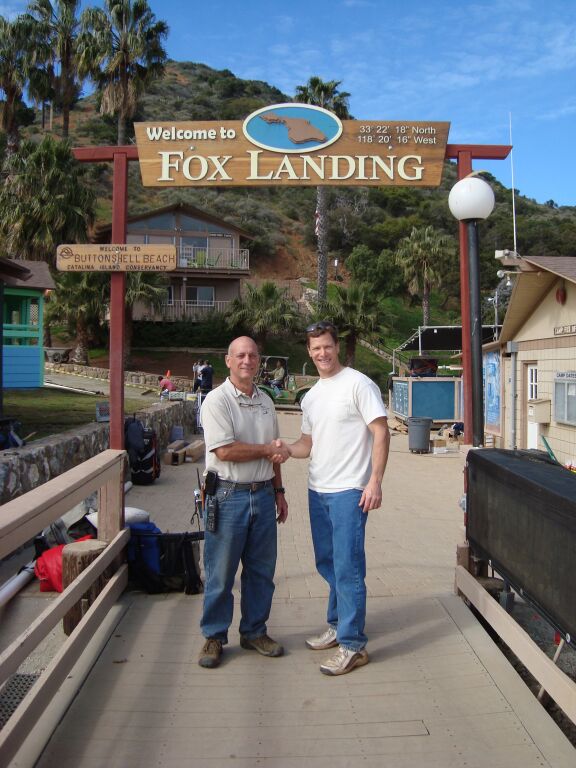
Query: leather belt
(243, 486)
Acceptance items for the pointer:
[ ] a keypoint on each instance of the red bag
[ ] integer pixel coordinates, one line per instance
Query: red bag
(48, 568)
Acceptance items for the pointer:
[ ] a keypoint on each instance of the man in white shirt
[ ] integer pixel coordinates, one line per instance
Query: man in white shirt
(345, 432)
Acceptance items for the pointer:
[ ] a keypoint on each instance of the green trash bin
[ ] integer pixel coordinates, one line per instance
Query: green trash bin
(419, 434)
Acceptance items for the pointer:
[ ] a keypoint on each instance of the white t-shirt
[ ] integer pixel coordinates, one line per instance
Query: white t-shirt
(336, 413)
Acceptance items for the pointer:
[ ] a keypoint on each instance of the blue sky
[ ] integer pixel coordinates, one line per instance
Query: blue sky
(474, 64)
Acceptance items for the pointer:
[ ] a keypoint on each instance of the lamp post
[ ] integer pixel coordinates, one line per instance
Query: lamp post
(471, 199)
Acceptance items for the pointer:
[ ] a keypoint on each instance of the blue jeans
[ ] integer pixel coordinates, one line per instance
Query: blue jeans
(338, 525)
(246, 534)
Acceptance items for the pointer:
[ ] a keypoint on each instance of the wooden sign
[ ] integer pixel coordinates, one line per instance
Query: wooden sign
(116, 258)
(292, 144)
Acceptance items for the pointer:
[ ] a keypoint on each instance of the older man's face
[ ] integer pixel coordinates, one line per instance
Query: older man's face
(243, 360)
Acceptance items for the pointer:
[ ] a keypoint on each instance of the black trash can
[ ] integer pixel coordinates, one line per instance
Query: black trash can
(419, 434)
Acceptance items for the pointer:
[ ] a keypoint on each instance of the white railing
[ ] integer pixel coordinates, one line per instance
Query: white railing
(20, 520)
(195, 257)
(192, 310)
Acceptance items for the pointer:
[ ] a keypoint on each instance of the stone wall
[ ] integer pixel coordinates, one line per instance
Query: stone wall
(22, 469)
(135, 378)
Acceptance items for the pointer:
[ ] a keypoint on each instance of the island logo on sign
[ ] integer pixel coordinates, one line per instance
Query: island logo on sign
(295, 128)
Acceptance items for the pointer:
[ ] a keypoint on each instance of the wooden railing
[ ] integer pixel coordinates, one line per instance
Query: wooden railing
(20, 521)
(192, 310)
(196, 257)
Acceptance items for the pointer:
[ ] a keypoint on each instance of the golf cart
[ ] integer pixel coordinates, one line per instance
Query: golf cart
(287, 392)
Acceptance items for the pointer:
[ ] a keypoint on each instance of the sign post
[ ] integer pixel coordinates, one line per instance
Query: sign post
(372, 153)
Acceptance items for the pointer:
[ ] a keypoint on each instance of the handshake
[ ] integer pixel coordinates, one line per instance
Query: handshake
(280, 452)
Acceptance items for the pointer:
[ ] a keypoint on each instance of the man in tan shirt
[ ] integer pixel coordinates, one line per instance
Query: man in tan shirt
(240, 432)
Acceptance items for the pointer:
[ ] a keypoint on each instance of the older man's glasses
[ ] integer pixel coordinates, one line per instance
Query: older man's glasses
(323, 325)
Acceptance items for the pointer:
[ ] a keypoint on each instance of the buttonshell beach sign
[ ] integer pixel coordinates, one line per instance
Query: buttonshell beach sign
(292, 144)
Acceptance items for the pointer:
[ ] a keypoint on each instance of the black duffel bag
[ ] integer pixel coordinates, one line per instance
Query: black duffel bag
(164, 562)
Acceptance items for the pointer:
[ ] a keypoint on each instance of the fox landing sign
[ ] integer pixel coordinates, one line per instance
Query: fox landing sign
(292, 144)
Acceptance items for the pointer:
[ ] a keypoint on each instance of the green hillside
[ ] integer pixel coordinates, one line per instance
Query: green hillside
(366, 222)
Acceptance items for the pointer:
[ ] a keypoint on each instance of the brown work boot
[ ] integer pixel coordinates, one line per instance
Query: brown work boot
(263, 644)
(211, 653)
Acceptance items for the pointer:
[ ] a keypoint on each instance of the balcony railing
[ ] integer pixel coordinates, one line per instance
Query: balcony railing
(195, 257)
(192, 310)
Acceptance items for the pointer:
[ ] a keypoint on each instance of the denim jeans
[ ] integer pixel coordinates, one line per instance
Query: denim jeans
(338, 525)
(246, 533)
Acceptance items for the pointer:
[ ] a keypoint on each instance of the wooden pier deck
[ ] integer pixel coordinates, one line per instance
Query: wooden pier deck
(437, 693)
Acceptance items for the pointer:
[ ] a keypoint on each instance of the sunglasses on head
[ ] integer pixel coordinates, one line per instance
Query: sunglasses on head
(323, 325)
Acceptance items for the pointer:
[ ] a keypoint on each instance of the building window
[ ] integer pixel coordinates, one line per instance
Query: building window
(532, 382)
(200, 295)
(170, 295)
(565, 401)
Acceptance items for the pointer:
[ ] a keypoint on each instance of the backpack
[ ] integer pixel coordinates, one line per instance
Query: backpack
(142, 448)
(164, 562)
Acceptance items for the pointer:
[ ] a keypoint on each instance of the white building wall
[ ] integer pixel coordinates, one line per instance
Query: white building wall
(552, 353)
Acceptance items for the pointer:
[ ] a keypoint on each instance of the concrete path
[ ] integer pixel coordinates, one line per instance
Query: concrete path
(437, 693)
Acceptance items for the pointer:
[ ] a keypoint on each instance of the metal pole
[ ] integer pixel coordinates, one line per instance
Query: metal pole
(475, 336)
(496, 311)
(464, 160)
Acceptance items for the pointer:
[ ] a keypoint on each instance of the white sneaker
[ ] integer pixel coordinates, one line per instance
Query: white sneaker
(321, 642)
(344, 661)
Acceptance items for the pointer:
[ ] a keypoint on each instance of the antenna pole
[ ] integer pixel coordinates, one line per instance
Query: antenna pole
(513, 190)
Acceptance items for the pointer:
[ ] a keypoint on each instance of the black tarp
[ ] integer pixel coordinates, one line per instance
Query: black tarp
(443, 338)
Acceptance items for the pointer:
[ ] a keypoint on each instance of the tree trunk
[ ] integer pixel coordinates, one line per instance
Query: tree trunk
(65, 121)
(426, 303)
(121, 130)
(46, 334)
(76, 557)
(350, 349)
(80, 355)
(321, 212)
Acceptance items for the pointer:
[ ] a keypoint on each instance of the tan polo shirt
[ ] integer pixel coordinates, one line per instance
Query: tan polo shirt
(227, 416)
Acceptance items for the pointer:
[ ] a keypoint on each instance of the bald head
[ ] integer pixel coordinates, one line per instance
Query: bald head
(243, 360)
(241, 341)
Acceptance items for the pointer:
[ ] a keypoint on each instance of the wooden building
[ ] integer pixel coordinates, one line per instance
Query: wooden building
(211, 259)
(22, 319)
(530, 372)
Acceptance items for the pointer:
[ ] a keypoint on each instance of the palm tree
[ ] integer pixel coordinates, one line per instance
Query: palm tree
(121, 49)
(265, 310)
(20, 50)
(43, 202)
(79, 301)
(147, 288)
(60, 25)
(356, 314)
(323, 94)
(423, 257)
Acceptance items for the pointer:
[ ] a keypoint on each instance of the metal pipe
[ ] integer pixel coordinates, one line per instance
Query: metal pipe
(16, 583)
(475, 336)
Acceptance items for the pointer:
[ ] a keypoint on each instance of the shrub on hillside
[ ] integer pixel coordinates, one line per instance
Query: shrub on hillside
(211, 333)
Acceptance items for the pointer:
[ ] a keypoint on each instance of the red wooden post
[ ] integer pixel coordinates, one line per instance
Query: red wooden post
(120, 156)
(463, 154)
(117, 297)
